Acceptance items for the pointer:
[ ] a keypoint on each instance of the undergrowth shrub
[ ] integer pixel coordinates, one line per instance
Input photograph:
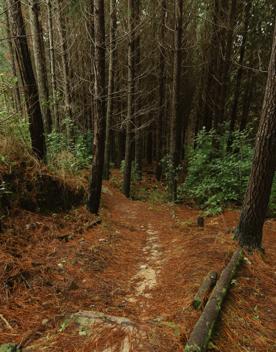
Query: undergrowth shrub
(272, 202)
(69, 157)
(15, 126)
(216, 177)
(169, 172)
(134, 172)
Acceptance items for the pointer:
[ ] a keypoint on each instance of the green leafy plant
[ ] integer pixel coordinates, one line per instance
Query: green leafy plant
(216, 177)
(70, 157)
(170, 172)
(272, 202)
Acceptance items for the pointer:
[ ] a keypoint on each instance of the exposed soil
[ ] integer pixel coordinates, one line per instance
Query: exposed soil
(128, 283)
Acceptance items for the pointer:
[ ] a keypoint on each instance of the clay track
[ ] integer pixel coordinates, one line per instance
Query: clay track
(134, 275)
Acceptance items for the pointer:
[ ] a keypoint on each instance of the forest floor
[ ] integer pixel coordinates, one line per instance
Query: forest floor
(127, 284)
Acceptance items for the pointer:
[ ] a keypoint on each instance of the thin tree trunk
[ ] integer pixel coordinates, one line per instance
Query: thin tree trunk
(65, 68)
(250, 227)
(138, 133)
(17, 99)
(227, 60)
(247, 101)
(175, 129)
(40, 64)
(100, 109)
(91, 38)
(28, 79)
(112, 48)
(130, 98)
(162, 85)
(221, 64)
(239, 75)
(52, 61)
(92, 76)
(215, 67)
(149, 148)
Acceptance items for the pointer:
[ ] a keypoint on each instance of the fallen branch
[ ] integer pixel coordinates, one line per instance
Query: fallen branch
(89, 226)
(6, 322)
(202, 332)
(93, 223)
(208, 283)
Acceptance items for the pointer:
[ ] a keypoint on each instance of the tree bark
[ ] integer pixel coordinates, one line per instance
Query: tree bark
(91, 37)
(227, 59)
(250, 228)
(17, 98)
(28, 79)
(162, 85)
(239, 75)
(112, 48)
(215, 69)
(130, 98)
(52, 61)
(65, 68)
(175, 125)
(247, 101)
(204, 289)
(202, 331)
(40, 64)
(100, 109)
(138, 133)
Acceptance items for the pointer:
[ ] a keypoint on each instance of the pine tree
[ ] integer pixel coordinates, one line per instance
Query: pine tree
(250, 228)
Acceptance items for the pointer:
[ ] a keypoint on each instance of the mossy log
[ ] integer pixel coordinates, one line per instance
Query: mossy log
(207, 284)
(202, 332)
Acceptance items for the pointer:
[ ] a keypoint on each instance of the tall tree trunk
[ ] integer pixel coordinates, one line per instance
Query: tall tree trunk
(28, 78)
(175, 125)
(209, 84)
(217, 52)
(65, 67)
(250, 227)
(52, 61)
(149, 148)
(17, 98)
(91, 38)
(221, 64)
(239, 75)
(138, 133)
(227, 59)
(40, 63)
(130, 97)
(100, 109)
(247, 101)
(92, 61)
(112, 48)
(162, 85)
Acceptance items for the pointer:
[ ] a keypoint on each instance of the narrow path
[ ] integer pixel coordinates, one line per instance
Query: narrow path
(136, 329)
(136, 275)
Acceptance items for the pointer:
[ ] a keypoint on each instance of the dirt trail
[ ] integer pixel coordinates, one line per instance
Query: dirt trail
(127, 285)
(139, 329)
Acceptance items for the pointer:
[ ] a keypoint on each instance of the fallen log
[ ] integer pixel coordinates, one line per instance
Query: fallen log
(202, 332)
(93, 223)
(208, 283)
